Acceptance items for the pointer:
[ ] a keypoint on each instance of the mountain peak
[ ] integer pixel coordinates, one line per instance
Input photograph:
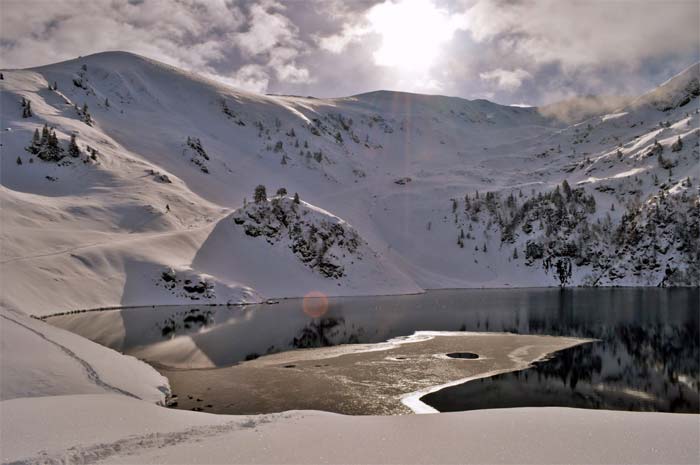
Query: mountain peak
(674, 93)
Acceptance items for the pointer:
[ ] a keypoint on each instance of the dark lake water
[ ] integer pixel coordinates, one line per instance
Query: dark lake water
(647, 357)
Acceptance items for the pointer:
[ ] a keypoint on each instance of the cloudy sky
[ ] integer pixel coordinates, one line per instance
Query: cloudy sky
(509, 51)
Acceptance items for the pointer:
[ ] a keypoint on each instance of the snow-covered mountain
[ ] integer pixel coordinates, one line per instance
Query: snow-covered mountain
(126, 181)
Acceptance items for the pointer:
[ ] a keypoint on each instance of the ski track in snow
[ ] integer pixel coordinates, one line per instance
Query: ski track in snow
(92, 375)
(133, 445)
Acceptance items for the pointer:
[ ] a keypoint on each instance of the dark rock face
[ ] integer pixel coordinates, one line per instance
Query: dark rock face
(317, 241)
(199, 156)
(691, 91)
(201, 289)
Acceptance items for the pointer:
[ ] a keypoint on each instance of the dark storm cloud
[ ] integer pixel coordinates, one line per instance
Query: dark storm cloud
(510, 51)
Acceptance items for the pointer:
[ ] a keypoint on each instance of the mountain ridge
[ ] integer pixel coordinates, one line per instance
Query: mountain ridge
(162, 156)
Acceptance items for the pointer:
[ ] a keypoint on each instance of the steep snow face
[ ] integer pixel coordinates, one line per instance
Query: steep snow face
(141, 166)
(286, 247)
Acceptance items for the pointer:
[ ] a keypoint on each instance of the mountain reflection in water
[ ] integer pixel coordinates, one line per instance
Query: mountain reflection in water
(647, 356)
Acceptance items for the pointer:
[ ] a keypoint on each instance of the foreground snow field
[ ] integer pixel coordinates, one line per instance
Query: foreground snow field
(76, 431)
(399, 192)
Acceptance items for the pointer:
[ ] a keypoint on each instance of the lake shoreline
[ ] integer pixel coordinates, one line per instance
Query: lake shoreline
(275, 300)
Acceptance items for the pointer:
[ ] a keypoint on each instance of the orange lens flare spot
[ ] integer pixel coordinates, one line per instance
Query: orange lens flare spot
(315, 304)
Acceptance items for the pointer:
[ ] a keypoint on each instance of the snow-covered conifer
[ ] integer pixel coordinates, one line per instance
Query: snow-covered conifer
(260, 194)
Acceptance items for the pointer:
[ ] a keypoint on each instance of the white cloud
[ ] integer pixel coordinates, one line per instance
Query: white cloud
(337, 47)
(198, 35)
(579, 33)
(253, 78)
(506, 80)
(282, 62)
(336, 43)
(267, 30)
(186, 33)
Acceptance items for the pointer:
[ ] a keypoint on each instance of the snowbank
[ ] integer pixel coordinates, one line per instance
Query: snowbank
(39, 360)
(76, 432)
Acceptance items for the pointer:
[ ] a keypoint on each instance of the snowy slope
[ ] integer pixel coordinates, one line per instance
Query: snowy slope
(164, 157)
(141, 433)
(38, 360)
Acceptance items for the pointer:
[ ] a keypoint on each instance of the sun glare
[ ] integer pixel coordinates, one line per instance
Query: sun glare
(413, 33)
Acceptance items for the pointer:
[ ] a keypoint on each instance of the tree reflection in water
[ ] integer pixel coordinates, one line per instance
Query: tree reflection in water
(632, 367)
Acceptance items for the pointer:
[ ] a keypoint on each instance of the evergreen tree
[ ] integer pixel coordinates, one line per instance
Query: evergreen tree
(107, 102)
(73, 149)
(515, 253)
(281, 191)
(296, 198)
(87, 119)
(260, 194)
(566, 188)
(19, 160)
(45, 134)
(36, 140)
(53, 143)
(26, 108)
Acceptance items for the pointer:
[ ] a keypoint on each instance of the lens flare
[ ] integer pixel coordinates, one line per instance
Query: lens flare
(315, 304)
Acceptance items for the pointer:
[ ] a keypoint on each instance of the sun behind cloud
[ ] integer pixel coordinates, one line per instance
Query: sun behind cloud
(413, 33)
